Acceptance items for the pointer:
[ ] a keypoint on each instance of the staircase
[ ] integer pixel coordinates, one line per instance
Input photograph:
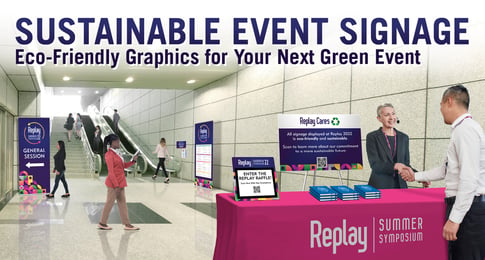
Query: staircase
(76, 161)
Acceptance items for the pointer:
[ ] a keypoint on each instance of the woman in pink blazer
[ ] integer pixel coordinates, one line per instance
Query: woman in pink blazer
(116, 183)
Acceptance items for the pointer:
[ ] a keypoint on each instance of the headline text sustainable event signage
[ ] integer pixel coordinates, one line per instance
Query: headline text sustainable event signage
(34, 155)
(319, 142)
(174, 34)
(204, 137)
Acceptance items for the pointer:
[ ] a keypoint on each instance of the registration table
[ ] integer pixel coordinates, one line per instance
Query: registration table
(403, 224)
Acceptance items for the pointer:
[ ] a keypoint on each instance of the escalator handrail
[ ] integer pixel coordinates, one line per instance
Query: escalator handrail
(98, 119)
(93, 158)
(130, 138)
(135, 141)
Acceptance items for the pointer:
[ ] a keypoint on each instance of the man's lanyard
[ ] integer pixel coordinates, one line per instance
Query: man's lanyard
(461, 121)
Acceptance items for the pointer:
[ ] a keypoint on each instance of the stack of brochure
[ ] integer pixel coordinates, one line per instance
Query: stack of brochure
(345, 192)
(368, 192)
(323, 193)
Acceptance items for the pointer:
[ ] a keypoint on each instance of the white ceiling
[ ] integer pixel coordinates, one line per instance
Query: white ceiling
(166, 77)
(23, 77)
(98, 77)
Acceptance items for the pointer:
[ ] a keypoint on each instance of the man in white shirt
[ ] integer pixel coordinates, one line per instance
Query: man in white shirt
(464, 174)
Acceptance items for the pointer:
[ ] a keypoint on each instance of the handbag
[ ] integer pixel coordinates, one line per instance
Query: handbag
(65, 125)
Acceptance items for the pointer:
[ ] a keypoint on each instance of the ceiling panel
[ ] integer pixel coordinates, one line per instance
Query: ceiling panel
(23, 82)
(7, 61)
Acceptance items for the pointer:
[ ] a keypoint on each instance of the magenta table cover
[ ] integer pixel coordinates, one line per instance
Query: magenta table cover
(403, 224)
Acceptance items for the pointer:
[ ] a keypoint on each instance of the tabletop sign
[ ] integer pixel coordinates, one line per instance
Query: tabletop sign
(254, 178)
(319, 142)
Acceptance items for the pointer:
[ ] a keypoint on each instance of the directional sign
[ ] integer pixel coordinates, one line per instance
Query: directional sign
(29, 165)
(34, 155)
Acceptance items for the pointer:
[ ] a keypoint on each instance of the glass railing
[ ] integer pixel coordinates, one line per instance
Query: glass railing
(95, 161)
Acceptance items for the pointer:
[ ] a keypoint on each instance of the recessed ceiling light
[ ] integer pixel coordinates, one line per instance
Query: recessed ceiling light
(192, 81)
(62, 91)
(79, 91)
(66, 78)
(129, 79)
(97, 92)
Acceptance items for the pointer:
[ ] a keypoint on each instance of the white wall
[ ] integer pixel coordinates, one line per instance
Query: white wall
(8, 138)
(244, 107)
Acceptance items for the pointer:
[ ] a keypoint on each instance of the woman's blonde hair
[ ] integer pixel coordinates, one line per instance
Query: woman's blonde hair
(380, 107)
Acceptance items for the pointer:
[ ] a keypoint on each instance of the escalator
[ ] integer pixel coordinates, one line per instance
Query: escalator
(131, 143)
(127, 147)
(90, 128)
(121, 135)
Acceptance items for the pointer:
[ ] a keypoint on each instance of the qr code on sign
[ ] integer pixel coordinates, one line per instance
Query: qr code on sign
(257, 189)
(321, 162)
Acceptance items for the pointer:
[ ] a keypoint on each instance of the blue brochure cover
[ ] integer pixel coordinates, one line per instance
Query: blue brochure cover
(367, 189)
(322, 190)
(344, 190)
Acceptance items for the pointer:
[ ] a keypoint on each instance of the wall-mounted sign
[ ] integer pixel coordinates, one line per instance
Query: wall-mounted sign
(181, 144)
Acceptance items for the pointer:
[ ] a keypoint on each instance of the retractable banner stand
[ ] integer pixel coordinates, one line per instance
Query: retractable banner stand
(203, 154)
(34, 155)
(319, 142)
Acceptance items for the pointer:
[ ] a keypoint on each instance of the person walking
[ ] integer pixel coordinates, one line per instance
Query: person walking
(116, 121)
(115, 183)
(162, 153)
(97, 139)
(69, 125)
(79, 125)
(60, 170)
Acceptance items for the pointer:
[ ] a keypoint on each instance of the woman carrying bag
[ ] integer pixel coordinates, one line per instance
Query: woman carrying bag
(69, 125)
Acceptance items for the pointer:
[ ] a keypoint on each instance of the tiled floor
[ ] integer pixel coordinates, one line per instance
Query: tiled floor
(177, 221)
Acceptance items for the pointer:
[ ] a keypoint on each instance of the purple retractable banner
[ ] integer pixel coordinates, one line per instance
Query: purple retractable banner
(34, 155)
